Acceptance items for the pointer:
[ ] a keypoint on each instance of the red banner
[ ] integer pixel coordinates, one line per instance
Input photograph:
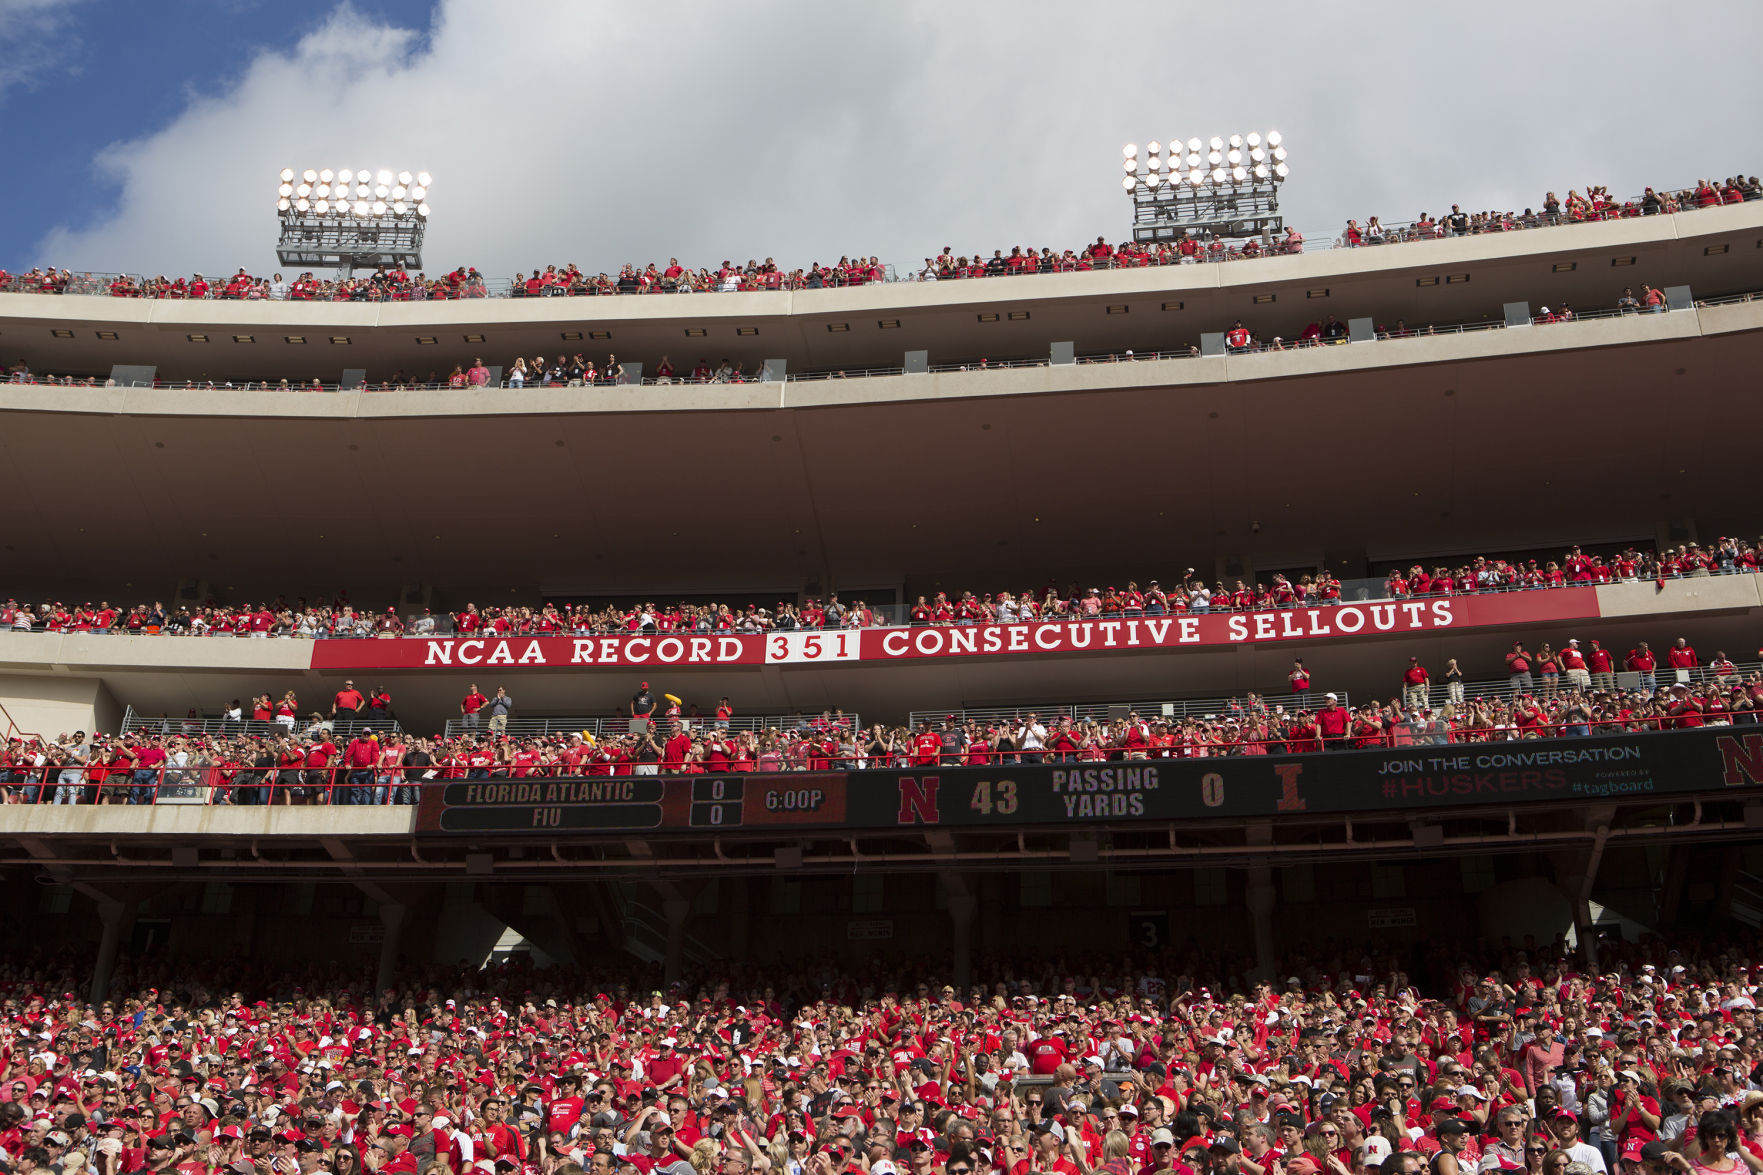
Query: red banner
(1352, 621)
(557, 652)
(1338, 622)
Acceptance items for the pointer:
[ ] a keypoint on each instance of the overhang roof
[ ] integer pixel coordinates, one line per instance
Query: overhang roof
(1467, 279)
(1610, 430)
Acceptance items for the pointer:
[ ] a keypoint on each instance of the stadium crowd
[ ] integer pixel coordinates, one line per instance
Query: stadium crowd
(397, 285)
(854, 270)
(1190, 595)
(1363, 1059)
(581, 369)
(356, 753)
(1190, 248)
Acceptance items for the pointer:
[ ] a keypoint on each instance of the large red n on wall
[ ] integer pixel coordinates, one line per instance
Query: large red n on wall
(1743, 757)
(918, 801)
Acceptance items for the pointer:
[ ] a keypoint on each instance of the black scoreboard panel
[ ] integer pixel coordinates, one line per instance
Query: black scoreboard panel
(1393, 782)
(636, 803)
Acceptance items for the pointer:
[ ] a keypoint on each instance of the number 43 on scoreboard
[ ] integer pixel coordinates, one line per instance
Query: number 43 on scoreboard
(994, 798)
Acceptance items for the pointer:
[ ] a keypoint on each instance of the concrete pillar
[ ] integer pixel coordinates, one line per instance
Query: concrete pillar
(1262, 898)
(1582, 920)
(677, 909)
(113, 916)
(963, 906)
(392, 916)
(1576, 871)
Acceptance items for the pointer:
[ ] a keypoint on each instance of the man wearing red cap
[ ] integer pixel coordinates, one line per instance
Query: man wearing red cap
(1414, 681)
(395, 1141)
(1565, 1126)
(642, 709)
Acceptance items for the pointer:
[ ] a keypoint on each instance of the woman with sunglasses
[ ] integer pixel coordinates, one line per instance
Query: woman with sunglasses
(1717, 1140)
(1556, 1161)
(1322, 1142)
(344, 1160)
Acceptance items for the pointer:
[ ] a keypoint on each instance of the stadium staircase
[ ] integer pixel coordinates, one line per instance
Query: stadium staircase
(643, 927)
(1747, 899)
(573, 923)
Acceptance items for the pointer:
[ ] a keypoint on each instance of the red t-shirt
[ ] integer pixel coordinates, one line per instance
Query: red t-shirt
(1047, 1054)
(562, 1114)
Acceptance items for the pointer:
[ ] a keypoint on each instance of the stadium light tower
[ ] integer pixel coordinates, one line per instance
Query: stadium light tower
(346, 219)
(1202, 186)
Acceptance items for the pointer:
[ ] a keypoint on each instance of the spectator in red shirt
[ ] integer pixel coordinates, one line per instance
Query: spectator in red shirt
(1049, 1052)
(1723, 671)
(346, 707)
(1414, 683)
(319, 753)
(1573, 667)
(1602, 667)
(360, 757)
(1640, 660)
(149, 761)
(469, 706)
(1332, 721)
(1634, 1114)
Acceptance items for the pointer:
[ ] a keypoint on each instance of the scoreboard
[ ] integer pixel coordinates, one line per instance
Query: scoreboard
(637, 803)
(1398, 782)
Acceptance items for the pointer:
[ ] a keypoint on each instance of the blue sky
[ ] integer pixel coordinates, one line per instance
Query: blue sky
(82, 74)
(604, 131)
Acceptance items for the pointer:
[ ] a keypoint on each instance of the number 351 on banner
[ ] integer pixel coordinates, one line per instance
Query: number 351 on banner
(809, 647)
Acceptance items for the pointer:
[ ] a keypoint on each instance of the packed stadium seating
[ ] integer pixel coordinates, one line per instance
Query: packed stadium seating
(353, 752)
(1466, 990)
(1353, 1059)
(339, 618)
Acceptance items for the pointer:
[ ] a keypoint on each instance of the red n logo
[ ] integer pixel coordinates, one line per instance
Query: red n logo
(918, 800)
(1743, 757)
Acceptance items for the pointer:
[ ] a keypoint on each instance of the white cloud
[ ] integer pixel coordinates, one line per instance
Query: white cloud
(34, 39)
(600, 133)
